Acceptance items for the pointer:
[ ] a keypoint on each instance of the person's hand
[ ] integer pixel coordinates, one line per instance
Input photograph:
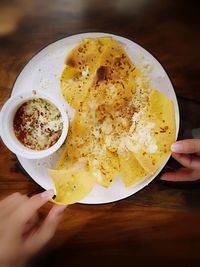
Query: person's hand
(187, 153)
(21, 233)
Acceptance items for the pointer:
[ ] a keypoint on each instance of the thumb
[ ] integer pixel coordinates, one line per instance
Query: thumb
(186, 146)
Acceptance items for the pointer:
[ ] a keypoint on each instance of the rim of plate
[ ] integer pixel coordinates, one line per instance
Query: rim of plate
(152, 177)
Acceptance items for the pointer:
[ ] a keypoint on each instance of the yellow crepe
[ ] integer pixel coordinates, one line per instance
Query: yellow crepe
(130, 169)
(111, 98)
(71, 186)
(161, 112)
(81, 65)
(74, 90)
(105, 167)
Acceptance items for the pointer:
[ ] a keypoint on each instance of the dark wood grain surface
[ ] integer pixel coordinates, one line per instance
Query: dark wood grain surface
(160, 225)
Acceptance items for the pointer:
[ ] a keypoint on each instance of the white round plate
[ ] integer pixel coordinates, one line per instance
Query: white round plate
(43, 73)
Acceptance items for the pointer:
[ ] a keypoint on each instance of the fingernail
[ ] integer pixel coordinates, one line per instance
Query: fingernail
(47, 194)
(176, 147)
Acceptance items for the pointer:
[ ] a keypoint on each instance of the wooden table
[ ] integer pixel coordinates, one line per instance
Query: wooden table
(160, 225)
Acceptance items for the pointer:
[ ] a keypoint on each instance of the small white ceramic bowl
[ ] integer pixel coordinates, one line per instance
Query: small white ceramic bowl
(6, 125)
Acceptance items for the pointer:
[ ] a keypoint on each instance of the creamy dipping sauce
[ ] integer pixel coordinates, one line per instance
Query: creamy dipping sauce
(38, 124)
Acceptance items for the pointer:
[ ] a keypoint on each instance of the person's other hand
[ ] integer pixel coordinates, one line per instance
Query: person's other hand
(21, 233)
(187, 153)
